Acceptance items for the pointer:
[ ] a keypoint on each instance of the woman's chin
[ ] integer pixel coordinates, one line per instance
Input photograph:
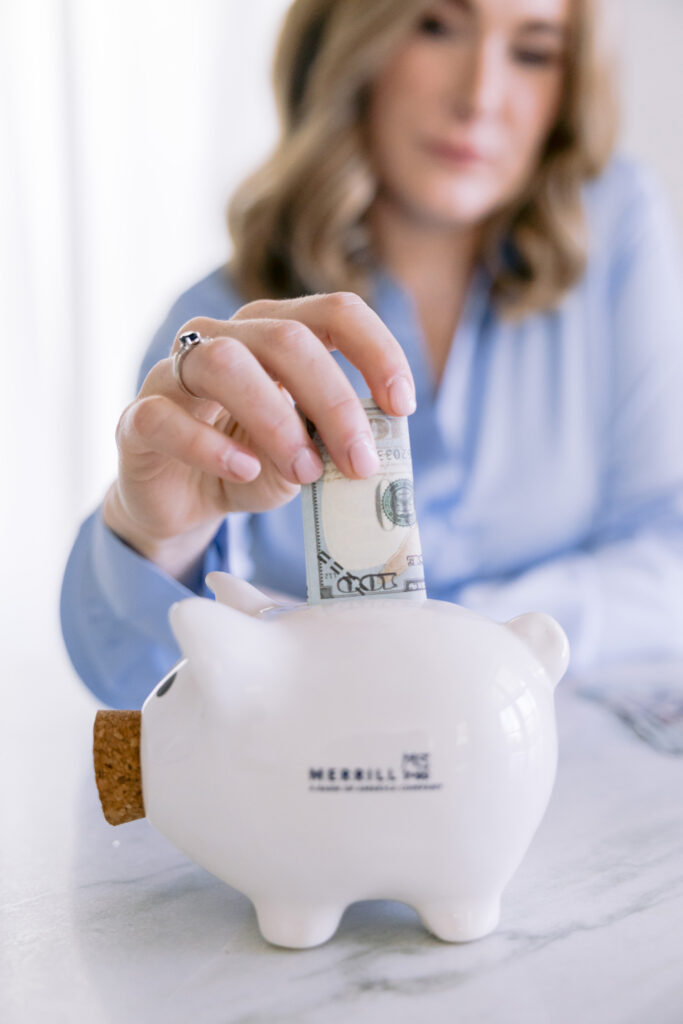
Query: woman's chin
(458, 212)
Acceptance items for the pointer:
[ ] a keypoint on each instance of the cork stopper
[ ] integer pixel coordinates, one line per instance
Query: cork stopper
(116, 753)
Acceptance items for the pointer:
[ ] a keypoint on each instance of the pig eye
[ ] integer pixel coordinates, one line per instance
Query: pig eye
(166, 684)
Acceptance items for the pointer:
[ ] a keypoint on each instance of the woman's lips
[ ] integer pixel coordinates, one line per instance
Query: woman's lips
(456, 156)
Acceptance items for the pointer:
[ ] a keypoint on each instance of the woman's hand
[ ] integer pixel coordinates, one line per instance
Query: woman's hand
(184, 463)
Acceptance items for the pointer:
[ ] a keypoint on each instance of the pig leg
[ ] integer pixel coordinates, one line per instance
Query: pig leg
(295, 923)
(456, 920)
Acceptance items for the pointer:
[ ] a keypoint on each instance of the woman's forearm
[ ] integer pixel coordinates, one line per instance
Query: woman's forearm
(180, 557)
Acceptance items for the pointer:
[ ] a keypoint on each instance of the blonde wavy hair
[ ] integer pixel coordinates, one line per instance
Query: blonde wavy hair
(299, 223)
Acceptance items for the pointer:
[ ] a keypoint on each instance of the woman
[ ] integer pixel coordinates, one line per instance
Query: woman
(442, 219)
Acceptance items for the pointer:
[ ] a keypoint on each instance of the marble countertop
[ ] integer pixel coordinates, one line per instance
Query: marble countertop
(115, 925)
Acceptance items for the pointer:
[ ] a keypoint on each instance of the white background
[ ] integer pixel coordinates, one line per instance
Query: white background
(124, 128)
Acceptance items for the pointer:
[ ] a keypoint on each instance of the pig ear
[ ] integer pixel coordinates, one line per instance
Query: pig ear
(237, 593)
(547, 640)
(225, 647)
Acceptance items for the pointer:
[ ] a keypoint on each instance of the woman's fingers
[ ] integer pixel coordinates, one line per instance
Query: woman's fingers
(156, 423)
(234, 373)
(291, 340)
(225, 370)
(342, 320)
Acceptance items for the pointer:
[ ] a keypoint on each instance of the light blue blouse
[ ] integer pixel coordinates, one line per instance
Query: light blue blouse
(548, 465)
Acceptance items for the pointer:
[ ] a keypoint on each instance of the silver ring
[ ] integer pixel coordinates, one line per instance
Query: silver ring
(187, 340)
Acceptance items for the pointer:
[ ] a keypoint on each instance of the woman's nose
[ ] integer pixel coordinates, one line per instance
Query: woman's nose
(479, 87)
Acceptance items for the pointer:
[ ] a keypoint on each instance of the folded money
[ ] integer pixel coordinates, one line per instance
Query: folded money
(361, 536)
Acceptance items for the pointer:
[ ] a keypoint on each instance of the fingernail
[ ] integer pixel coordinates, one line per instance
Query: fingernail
(246, 467)
(364, 458)
(402, 396)
(307, 466)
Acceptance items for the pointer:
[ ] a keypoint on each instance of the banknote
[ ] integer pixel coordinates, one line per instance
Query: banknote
(361, 536)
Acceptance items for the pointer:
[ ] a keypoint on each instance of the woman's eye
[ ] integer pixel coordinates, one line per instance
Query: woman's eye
(434, 26)
(536, 58)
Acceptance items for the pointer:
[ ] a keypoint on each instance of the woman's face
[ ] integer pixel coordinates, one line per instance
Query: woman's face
(458, 118)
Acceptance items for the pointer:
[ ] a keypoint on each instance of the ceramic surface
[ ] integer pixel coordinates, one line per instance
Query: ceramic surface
(352, 751)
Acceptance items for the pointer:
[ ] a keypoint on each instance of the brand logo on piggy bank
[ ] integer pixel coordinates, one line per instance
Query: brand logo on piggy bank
(412, 772)
(415, 766)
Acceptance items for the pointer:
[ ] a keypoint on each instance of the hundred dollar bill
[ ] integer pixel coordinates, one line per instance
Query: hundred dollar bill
(361, 536)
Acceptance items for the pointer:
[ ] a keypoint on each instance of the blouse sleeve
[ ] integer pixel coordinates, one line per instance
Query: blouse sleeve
(114, 603)
(619, 596)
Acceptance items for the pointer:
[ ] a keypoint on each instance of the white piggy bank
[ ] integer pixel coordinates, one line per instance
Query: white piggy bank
(365, 749)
